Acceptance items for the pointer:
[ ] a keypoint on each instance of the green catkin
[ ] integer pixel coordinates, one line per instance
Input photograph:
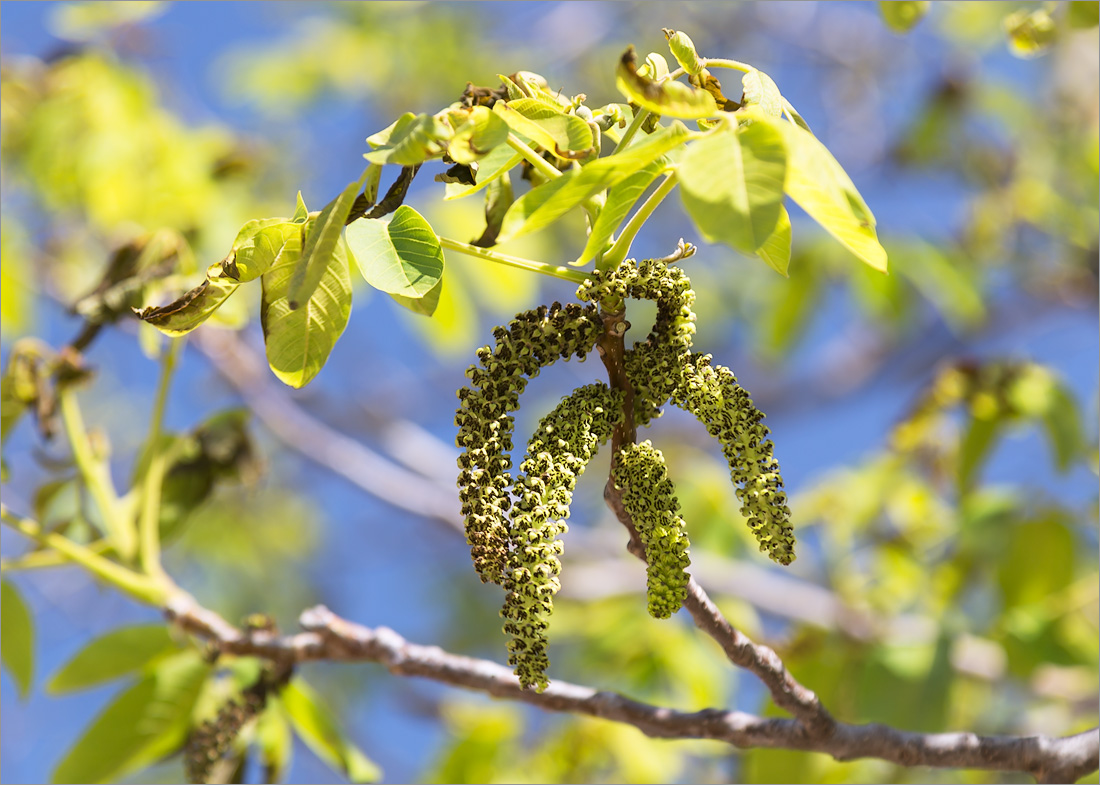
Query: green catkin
(563, 444)
(532, 340)
(211, 740)
(712, 394)
(653, 365)
(649, 496)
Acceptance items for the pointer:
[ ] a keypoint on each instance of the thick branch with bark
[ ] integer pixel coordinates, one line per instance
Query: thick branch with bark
(329, 637)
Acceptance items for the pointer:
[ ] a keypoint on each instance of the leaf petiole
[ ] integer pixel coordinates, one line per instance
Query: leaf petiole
(556, 271)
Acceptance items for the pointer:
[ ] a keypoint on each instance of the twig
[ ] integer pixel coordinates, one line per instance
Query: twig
(329, 637)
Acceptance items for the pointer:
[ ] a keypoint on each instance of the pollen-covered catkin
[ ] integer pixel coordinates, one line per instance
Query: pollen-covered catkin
(712, 394)
(563, 444)
(648, 495)
(653, 365)
(533, 339)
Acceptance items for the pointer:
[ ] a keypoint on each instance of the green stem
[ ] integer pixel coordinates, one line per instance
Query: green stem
(736, 65)
(631, 130)
(40, 560)
(153, 591)
(96, 475)
(149, 520)
(565, 273)
(541, 164)
(615, 255)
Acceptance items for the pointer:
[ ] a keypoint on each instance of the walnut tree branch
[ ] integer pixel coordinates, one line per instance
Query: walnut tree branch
(329, 637)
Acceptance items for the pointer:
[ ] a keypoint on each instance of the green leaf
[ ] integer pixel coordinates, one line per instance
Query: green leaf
(492, 166)
(683, 49)
(620, 199)
(567, 136)
(1030, 34)
(317, 727)
(301, 212)
(902, 16)
(116, 654)
(400, 257)
(426, 305)
(977, 441)
(498, 198)
(776, 250)
(796, 116)
(411, 140)
(823, 189)
(258, 246)
(477, 136)
(761, 91)
(16, 637)
(655, 67)
(669, 98)
(274, 741)
(142, 724)
(320, 243)
(543, 205)
(1083, 14)
(1038, 562)
(732, 185)
(299, 341)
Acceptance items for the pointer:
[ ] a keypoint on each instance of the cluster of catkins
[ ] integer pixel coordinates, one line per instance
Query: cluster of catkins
(513, 528)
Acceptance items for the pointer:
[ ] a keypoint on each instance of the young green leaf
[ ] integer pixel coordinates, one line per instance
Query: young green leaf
(683, 49)
(318, 728)
(567, 136)
(788, 107)
(111, 656)
(776, 250)
(543, 205)
(320, 243)
(399, 257)
(655, 67)
(1083, 14)
(477, 136)
(301, 212)
(901, 16)
(498, 198)
(144, 723)
(823, 189)
(761, 91)
(257, 247)
(409, 141)
(299, 341)
(426, 305)
(669, 97)
(273, 740)
(620, 199)
(183, 315)
(16, 637)
(732, 185)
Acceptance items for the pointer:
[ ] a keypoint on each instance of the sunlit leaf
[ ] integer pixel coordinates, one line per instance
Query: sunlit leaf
(620, 199)
(142, 724)
(16, 637)
(669, 98)
(567, 136)
(193, 308)
(411, 140)
(732, 185)
(789, 108)
(1039, 561)
(761, 91)
(823, 189)
(543, 205)
(111, 656)
(319, 729)
(977, 441)
(399, 257)
(776, 250)
(425, 305)
(902, 16)
(299, 340)
(655, 67)
(683, 49)
(492, 166)
(273, 740)
(477, 136)
(1083, 14)
(320, 244)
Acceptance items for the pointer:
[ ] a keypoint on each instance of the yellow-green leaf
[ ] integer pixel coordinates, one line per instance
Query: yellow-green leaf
(566, 136)
(1030, 33)
(111, 656)
(16, 637)
(619, 201)
(669, 97)
(299, 341)
(319, 245)
(823, 189)
(183, 315)
(317, 727)
(411, 140)
(400, 257)
(732, 185)
(760, 90)
(477, 136)
(492, 166)
(683, 49)
(776, 250)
